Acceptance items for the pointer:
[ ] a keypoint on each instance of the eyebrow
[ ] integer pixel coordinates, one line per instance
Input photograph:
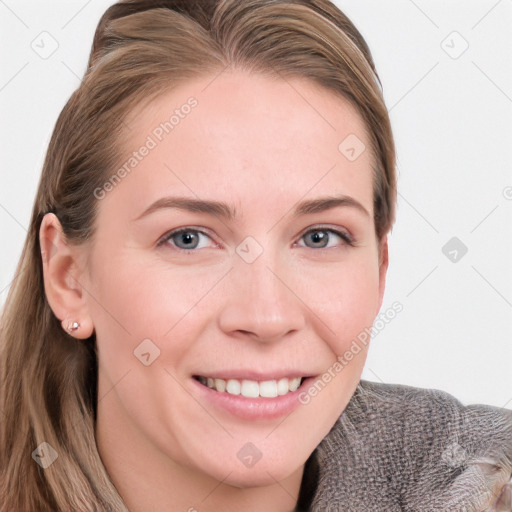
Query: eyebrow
(225, 211)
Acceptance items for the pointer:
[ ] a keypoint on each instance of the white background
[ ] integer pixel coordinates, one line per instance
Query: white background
(452, 119)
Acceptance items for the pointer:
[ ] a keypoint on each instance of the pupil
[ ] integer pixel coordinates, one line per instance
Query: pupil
(188, 238)
(319, 237)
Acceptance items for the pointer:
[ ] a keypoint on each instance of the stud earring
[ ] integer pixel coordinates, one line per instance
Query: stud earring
(73, 326)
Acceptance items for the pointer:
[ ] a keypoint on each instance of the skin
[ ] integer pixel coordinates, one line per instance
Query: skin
(261, 145)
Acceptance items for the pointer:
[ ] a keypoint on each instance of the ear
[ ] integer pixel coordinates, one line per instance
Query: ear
(383, 268)
(61, 273)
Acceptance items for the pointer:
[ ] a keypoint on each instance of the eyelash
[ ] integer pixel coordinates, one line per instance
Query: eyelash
(347, 239)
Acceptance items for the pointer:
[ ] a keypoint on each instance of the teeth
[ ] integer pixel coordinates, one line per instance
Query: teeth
(268, 388)
(283, 386)
(233, 387)
(219, 385)
(252, 388)
(294, 384)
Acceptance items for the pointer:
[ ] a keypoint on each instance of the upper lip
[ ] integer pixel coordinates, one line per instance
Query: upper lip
(254, 375)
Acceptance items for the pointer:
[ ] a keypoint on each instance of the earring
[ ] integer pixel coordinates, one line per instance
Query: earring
(73, 326)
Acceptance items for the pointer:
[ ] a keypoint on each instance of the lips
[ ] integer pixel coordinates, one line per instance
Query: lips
(250, 395)
(252, 388)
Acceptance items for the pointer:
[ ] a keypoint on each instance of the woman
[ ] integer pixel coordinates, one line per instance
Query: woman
(206, 252)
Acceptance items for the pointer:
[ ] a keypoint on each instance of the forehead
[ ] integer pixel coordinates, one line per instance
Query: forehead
(244, 135)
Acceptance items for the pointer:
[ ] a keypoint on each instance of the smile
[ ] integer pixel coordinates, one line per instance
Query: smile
(252, 388)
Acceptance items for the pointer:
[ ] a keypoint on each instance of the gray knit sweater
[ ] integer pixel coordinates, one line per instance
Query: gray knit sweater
(399, 448)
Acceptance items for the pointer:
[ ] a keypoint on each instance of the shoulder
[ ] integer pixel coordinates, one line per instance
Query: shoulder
(422, 448)
(417, 408)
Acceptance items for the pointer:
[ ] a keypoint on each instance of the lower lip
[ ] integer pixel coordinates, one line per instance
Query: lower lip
(253, 408)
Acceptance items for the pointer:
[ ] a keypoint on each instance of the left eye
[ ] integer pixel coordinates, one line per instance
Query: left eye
(325, 238)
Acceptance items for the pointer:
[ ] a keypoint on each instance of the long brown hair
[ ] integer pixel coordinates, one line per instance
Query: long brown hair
(141, 49)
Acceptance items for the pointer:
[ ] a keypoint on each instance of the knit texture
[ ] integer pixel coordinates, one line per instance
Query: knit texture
(399, 448)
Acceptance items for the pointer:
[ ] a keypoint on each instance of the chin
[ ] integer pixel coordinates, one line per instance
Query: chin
(259, 477)
(258, 472)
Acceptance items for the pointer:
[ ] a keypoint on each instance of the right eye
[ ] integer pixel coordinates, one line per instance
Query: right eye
(185, 239)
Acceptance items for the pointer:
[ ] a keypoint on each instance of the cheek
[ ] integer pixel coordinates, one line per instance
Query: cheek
(345, 305)
(344, 298)
(135, 299)
(146, 296)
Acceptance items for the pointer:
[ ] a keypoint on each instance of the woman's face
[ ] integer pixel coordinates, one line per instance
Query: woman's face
(275, 274)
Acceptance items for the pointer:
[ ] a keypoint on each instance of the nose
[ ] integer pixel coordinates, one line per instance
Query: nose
(260, 302)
